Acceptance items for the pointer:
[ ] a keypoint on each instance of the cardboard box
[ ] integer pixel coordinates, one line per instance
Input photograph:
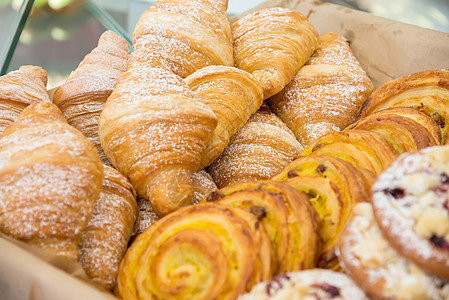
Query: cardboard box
(386, 49)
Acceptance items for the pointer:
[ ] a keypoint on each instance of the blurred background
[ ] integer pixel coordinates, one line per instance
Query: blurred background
(57, 34)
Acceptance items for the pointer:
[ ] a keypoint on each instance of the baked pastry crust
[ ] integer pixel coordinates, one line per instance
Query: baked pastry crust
(203, 251)
(326, 93)
(50, 178)
(427, 91)
(82, 97)
(154, 130)
(257, 151)
(272, 44)
(105, 239)
(18, 89)
(233, 95)
(188, 34)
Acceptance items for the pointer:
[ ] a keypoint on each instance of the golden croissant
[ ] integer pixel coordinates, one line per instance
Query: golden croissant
(105, 239)
(50, 178)
(272, 44)
(81, 98)
(188, 34)
(203, 251)
(262, 147)
(326, 93)
(154, 130)
(233, 95)
(18, 89)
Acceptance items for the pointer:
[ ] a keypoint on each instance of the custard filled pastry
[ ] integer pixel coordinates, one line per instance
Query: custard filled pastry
(204, 251)
(333, 186)
(405, 129)
(154, 130)
(82, 97)
(262, 147)
(105, 239)
(233, 95)
(272, 44)
(362, 148)
(188, 34)
(427, 91)
(290, 220)
(326, 93)
(18, 89)
(50, 178)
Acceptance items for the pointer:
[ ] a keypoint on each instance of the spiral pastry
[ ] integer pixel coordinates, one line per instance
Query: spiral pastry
(204, 251)
(291, 221)
(333, 186)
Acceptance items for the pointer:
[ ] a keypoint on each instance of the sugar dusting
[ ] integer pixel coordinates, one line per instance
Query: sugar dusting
(258, 151)
(328, 91)
(400, 216)
(309, 284)
(363, 247)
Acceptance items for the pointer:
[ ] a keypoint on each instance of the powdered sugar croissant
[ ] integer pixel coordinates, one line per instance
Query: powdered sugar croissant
(326, 93)
(188, 34)
(18, 89)
(272, 44)
(154, 131)
(81, 98)
(50, 178)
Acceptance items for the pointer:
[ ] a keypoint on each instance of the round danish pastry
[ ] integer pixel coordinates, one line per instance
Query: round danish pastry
(310, 284)
(384, 274)
(411, 205)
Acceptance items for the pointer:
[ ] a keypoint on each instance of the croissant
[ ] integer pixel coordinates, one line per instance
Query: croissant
(290, 220)
(188, 34)
(363, 149)
(427, 91)
(233, 95)
(333, 186)
(105, 239)
(81, 98)
(262, 147)
(402, 133)
(272, 44)
(50, 178)
(326, 93)
(203, 251)
(18, 89)
(154, 131)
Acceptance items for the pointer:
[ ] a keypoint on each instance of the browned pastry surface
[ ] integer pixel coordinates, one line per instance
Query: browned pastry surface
(18, 89)
(272, 44)
(326, 93)
(105, 239)
(50, 178)
(233, 95)
(427, 91)
(257, 151)
(188, 34)
(154, 130)
(82, 97)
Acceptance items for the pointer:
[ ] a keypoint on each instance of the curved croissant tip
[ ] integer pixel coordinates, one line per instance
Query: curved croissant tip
(116, 40)
(37, 71)
(47, 108)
